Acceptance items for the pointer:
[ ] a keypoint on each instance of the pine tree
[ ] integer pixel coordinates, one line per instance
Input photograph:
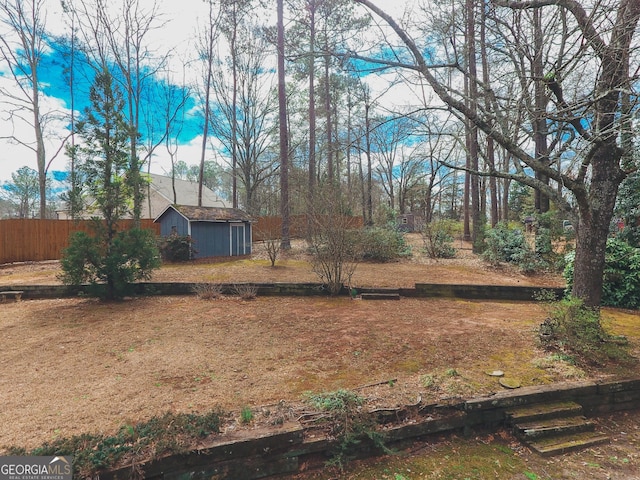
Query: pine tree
(111, 257)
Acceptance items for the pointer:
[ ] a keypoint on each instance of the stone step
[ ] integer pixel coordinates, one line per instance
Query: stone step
(553, 427)
(567, 443)
(542, 411)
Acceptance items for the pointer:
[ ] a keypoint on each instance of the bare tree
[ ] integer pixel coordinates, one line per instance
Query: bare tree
(115, 37)
(333, 242)
(471, 88)
(234, 16)
(304, 40)
(284, 135)
(490, 147)
(247, 124)
(389, 138)
(207, 53)
(605, 39)
(171, 102)
(22, 46)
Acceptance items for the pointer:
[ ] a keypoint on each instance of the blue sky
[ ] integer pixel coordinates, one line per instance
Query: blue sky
(178, 32)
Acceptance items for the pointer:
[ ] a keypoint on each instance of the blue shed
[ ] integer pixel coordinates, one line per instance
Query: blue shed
(216, 232)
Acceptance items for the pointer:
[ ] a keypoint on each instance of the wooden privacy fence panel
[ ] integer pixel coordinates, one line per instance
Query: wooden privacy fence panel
(26, 240)
(34, 240)
(266, 227)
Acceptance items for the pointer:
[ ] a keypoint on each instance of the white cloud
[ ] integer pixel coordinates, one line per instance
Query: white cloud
(183, 18)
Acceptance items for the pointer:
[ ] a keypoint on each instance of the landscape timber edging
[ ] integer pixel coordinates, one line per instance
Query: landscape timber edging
(421, 290)
(482, 292)
(255, 455)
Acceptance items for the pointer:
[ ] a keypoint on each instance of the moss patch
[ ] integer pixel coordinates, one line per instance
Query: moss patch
(454, 458)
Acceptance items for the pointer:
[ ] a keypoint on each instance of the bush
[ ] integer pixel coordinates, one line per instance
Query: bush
(246, 291)
(438, 240)
(171, 432)
(208, 291)
(131, 256)
(382, 244)
(621, 279)
(348, 422)
(177, 248)
(333, 246)
(504, 244)
(577, 330)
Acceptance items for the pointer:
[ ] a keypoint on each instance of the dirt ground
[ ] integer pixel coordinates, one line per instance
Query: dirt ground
(78, 365)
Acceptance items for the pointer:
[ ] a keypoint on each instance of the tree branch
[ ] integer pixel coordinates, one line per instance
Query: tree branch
(584, 21)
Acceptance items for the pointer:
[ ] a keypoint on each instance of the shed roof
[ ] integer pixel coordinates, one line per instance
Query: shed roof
(209, 214)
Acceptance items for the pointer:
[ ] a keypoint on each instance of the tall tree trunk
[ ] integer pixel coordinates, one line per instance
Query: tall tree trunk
(466, 201)
(234, 113)
(539, 112)
(327, 106)
(207, 93)
(473, 129)
(369, 219)
(362, 187)
(490, 153)
(285, 241)
(348, 152)
(594, 218)
(205, 133)
(75, 199)
(40, 149)
(312, 105)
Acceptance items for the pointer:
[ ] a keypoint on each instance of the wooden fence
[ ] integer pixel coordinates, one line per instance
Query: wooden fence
(271, 227)
(29, 240)
(34, 240)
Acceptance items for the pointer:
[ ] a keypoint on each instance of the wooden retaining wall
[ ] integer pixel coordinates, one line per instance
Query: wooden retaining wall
(249, 455)
(477, 292)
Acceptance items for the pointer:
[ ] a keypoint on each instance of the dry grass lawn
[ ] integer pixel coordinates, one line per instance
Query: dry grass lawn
(78, 365)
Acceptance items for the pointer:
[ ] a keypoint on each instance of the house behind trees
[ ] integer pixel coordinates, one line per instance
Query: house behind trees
(160, 194)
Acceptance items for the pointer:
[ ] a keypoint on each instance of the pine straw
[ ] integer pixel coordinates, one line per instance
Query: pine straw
(75, 366)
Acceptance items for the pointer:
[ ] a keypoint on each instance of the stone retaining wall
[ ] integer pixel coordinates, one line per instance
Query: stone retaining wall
(255, 454)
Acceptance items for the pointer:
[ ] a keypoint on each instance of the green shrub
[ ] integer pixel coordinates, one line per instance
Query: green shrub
(170, 433)
(528, 261)
(110, 268)
(438, 240)
(621, 279)
(176, 248)
(504, 244)
(509, 245)
(246, 415)
(574, 329)
(382, 244)
(544, 245)
(348, 423)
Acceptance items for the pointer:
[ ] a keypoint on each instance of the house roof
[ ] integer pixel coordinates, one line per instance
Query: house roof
(209, 214)
(186, 191)
(161, 188)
